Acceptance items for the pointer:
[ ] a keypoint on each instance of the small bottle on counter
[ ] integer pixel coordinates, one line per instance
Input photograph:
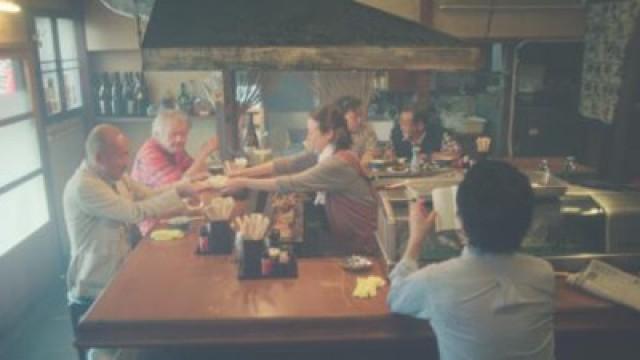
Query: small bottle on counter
(274, 255)
(184, 99)
(415, 159)
(546, 171)
(266, 263)
(569, 165)
(274, 238)
(203, 240)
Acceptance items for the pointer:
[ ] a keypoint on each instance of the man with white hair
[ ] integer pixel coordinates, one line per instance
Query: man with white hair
(100, 202)
(163, 160)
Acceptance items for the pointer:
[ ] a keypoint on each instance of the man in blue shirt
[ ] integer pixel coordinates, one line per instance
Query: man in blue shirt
(491, 302)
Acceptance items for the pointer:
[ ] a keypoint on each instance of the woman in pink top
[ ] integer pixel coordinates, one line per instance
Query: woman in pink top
(163, 159)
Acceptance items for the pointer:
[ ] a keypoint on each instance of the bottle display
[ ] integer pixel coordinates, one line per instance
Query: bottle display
(117, 94)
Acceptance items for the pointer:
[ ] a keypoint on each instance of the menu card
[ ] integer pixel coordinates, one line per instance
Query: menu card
(609, 282)
(444, 203)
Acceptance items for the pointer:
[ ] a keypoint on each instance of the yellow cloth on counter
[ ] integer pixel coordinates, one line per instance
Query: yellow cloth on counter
(367, 287)
(166, 234)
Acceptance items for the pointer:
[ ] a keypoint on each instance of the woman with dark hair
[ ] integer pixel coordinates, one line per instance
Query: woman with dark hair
(331, 170)
(362, 133)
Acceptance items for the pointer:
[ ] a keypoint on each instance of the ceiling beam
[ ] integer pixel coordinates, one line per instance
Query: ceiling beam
(314, 58)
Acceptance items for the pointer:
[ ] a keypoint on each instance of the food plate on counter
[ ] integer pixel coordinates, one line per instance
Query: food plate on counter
(356, 263)
(398, 170)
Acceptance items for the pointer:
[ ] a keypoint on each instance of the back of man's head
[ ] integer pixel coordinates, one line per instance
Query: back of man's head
(495, 203)
(99, 140)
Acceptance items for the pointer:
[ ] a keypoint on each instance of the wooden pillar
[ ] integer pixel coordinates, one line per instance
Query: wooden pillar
(227, 122)
(423, 78)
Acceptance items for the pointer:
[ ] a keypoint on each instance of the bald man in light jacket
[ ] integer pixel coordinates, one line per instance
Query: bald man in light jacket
(100, 203)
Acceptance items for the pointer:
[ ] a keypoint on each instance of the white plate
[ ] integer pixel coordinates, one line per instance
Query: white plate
(393, 171)
(356, 263)
(179, 220)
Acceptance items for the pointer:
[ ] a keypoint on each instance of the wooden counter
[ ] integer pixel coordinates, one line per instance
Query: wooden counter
(165, 295)
(556, 164)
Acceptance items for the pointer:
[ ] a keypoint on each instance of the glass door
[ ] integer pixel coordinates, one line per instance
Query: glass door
(24, 206)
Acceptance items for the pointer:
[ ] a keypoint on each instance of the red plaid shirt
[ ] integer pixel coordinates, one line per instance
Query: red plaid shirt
(154, 166)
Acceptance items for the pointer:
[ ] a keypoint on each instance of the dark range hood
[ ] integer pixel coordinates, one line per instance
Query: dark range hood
(295, 35)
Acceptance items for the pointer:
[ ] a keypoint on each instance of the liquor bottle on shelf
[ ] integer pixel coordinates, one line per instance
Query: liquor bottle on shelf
(184, 99)
(251, 137)
(141, 94)
(95, 93)
(104, 95)
(116, 96)
(129, 96)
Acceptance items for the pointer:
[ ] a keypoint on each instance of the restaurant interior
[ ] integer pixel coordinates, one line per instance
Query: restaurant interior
(547, 86)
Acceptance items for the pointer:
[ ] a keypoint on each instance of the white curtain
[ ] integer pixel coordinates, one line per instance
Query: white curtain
(328, 86)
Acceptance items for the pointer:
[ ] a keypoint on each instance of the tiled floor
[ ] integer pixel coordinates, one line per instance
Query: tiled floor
(45, 333)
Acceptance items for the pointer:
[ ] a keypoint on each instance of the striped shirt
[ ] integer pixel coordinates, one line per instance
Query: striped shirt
(154, 166)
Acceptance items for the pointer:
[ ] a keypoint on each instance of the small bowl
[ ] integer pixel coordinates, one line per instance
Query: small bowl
(400, 170)
(356, 263)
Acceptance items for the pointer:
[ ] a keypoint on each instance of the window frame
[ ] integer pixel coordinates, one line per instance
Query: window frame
(25, 56)
(64, 114)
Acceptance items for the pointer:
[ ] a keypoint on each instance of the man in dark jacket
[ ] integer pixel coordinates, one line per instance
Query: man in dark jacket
(415, 129)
